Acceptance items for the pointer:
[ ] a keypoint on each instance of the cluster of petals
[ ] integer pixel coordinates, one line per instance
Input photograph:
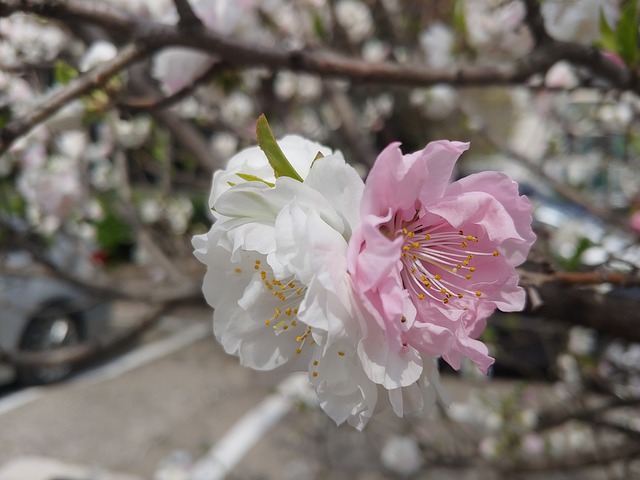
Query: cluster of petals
(323, 275)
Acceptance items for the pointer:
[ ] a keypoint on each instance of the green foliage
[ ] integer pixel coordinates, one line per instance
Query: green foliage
(63, 73)
(114, 236)
(253, 178)
(271, 149)
(624, 39)
(573, 263)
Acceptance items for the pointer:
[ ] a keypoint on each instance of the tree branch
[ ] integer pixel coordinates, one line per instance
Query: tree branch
(188, 18)
(76, 88)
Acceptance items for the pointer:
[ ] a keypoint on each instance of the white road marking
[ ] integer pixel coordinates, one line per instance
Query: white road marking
(118, 366)
(231, 448)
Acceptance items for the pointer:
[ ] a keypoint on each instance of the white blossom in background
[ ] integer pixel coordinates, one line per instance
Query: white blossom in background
(355, 17)
(401, 455)
(178, 214)
(98, 53)
(496, 29)
(561, 75)
(25, 39)
(237, 109)
(582, 340)
(131, 133)
(224, 144)
(150, 210)
(437, 42)
(375, 50)
(578, 20)
(437, 102)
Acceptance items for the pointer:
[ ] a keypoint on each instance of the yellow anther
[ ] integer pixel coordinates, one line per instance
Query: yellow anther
(278, 311)
(469, 237)
(472, 269)
(258, 262)
(423, 278)
(410, 234)
(412, 271)
(263, 275)
(421, 296)
(275, 293)
(404, 231)
(285, 327)
(446, 300)
(495, 253)
(470, 257)
(291, 285)
(468, 276)
(427, 284)
(299, 292)
(294, 324)
(415, 244)
(341, 354)
(295, 312)
(466, 262)
(283, 287)
(438, 277)
(427, 237)
(238, 270)
(460, 295)
(256, 267)
(315, 363)
(315, 374)
(405, 248)
(288, 311)
(299, 351)
(443, 290)
(298, 339)
(464, 244)
(267, 322)
(403, 319)
(478, 294)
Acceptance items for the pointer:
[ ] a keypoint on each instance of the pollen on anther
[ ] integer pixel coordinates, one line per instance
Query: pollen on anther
(495, 253)
(421, 296)
(460, 295)
(299, 351)
(472, 269)
(410, 234)
(464, 244)
(315, 363)
(256, 267)
(478, 294)
(468, 276)
(469, 237)
(446, 300)
(438, 276)
(238, 270)
(288, 311)
(315, 374)
(427, 237)
(341, 354)
(267, 322)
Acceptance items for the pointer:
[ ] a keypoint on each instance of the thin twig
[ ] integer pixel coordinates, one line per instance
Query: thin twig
(188, 18)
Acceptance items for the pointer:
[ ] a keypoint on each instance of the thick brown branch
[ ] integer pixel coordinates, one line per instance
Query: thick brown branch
(188, 18)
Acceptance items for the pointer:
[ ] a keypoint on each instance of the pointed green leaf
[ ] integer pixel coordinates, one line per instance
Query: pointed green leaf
(627, 33)
(253, 178)
(271, 149)
(607, 39)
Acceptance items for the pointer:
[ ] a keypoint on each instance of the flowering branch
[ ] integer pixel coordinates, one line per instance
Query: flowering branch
(188, 19)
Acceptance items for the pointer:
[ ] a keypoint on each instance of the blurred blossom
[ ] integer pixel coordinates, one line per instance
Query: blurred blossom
(489, 448)
(437, 42)
(33, 41)
(224, 144)
(98, 53)
(375, 50)
(582, 340)
(615, 117)
(561, 75)
(72, 143)
(69, 117)
(532, 445)
(401, 455)
(103, 175)
(237, 109)
(355, 17)
(150, 210)
(569, 372)
(309, 87)
(495, 28)
(285, 85)
(132, 133)
(178, 213)
(578, 20)
(593, 256)
(440, 101)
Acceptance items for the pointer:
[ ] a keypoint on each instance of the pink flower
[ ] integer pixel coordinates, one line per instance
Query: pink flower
(432, 260)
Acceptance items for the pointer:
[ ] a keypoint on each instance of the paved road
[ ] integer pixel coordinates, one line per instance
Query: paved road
(184, 401)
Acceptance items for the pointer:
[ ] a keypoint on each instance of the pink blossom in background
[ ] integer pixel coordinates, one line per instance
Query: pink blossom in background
(432, 260)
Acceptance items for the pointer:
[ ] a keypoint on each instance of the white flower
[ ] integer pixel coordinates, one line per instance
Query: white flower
(578, 20)
(355, 18)
(437, 41)
(277, 274)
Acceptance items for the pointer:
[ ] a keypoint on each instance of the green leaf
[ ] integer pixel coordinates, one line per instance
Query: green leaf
(253, 178)
(63, 73)
(607, 39)
(627, 34)
(271, 149)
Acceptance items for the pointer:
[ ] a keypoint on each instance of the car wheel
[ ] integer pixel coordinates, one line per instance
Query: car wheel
(48, 331)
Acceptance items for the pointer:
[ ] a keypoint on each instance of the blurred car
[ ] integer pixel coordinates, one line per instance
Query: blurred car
(39, 313)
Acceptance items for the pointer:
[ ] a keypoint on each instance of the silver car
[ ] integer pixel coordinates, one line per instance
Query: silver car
(39, 312)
